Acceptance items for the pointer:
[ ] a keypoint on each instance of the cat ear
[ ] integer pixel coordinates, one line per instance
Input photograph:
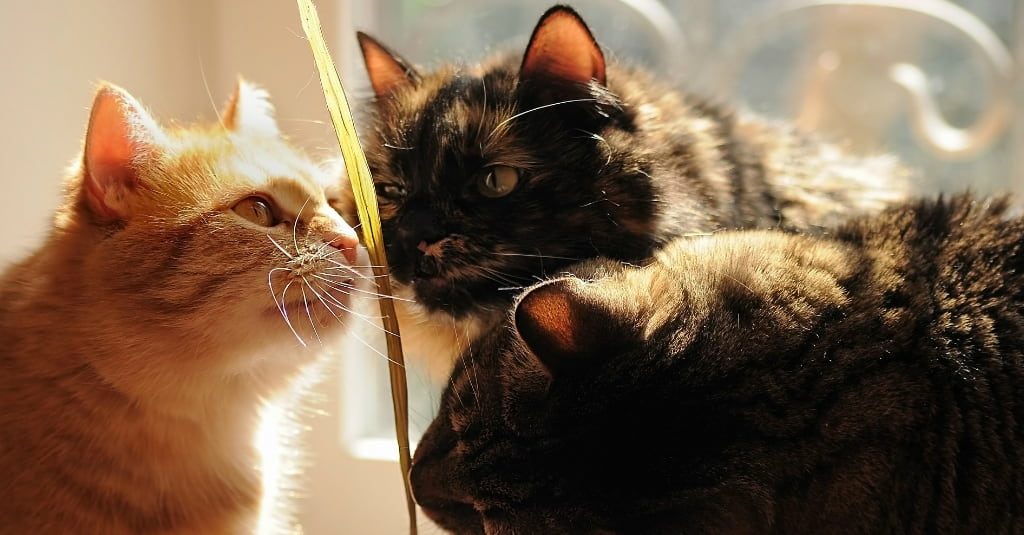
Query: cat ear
(387, 71)
(562, 50)
(120, 138)
(565, 323)
(249, 111)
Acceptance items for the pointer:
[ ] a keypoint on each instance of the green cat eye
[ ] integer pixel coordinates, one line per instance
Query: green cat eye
(499, 181)
(256, 210)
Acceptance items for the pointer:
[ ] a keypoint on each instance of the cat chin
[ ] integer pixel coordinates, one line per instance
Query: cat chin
(433, 340)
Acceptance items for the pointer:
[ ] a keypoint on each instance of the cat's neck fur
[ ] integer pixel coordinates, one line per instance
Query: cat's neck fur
(168, 454)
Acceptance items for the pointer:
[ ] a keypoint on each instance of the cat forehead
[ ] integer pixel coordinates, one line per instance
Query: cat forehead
(450, 101)
(235, 164)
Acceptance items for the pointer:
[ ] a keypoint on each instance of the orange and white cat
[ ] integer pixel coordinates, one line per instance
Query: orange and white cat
(190, 274)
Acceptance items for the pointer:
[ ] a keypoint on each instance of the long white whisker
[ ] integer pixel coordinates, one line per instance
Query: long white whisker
(270, 283)
(305, 301)
(351, 287)
(539, 256)
(531, 110)
(373, 321)
(374, 349)
(284, 313)
(278, 245)
(295, 225)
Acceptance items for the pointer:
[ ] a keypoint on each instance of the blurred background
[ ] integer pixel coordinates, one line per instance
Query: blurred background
(936, 82)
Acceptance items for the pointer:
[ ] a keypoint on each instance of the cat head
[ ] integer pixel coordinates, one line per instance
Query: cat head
(613, 399)
(488, 175)
(216, 241)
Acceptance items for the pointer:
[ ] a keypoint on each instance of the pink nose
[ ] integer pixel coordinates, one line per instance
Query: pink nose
(346, 242)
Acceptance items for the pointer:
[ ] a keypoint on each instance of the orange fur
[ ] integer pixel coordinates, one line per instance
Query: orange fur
(139, 342)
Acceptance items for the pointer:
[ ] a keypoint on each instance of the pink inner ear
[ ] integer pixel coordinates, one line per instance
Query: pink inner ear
(111, 146)
(562, 48)
(387, 73)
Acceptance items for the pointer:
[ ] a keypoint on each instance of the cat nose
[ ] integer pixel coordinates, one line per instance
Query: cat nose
(437, 499)
(420, 226)
(346, 242)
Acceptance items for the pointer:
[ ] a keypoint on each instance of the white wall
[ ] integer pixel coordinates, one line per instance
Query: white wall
(54, 52)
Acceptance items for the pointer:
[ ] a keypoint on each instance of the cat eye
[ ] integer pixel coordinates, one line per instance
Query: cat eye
(499, 181)
(256, 210)
(389, 190)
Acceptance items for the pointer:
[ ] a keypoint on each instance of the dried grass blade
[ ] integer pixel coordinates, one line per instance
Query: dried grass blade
(369, 217)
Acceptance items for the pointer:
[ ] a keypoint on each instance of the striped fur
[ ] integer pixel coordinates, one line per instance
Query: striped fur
(135, 353)
(754, 382)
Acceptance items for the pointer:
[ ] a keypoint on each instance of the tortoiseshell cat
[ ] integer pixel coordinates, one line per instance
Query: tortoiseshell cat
(490, 176)
(138, 344)
(870, 382)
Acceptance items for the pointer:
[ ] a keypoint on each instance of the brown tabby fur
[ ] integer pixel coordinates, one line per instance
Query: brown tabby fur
(871, 382)
(612, 168)
(138, 343)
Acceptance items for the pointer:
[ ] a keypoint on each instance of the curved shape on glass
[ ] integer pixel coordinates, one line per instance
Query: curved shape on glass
(929, 125)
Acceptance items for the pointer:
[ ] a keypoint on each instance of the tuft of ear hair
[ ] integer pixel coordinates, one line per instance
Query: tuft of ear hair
(387, 71)
(121, 138)
(566, 323)
(249, 111)
(562, 50)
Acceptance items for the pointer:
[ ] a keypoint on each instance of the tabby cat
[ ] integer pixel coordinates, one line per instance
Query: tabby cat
(492, 175)
(752, 382)
(139, 342)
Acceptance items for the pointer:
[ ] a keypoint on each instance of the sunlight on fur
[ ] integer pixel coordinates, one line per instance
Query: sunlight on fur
(271, 453)
(279, 443)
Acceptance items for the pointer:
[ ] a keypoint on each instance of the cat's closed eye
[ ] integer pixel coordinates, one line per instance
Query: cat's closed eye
(257, 210)
(499, 181)
(389, 190)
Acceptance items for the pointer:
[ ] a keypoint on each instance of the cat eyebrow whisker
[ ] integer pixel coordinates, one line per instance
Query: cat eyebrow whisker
(531, 110)
(295, 224)
(278, 245)
(541, 256)
(483, 114)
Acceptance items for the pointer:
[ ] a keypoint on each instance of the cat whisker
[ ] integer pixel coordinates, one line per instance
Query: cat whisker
(295, 224)
(372, 321)
(341, 285)
(270, 283)
(531, 110)
(355, 274)
(309, 314)
(354, 266)
(483, 114)
(284, 313)
(209, 94)
(341, 306)
(353, 288)
(572, 259)
(374, 349)
(280, 248)
(462, 356)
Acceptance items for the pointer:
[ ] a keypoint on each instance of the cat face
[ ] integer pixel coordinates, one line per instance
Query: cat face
(218, 239)
(489, 176)
(630, 400)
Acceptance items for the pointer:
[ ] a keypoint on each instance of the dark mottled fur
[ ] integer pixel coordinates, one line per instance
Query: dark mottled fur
(633, 165)
(870, 382)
